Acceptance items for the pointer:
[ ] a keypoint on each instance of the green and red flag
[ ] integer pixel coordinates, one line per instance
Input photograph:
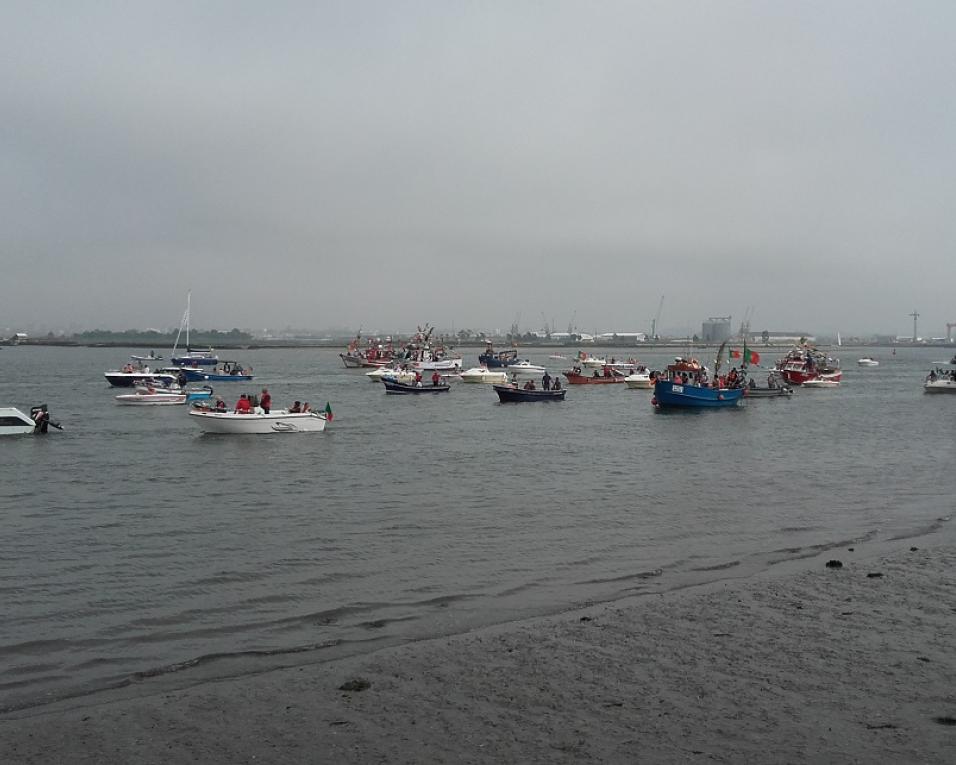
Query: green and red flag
(328, 411)
(746, 355)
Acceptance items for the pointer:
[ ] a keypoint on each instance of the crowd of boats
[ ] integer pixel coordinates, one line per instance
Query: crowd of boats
(423, 367)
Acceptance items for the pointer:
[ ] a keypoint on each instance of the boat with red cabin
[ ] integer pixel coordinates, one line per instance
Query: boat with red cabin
(374, 354)
(806, 363)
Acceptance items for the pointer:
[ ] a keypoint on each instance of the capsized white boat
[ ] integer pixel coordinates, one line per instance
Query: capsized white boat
(485, 375)
(14, 422)
(277, 421)
(641, 380)
(867, 362)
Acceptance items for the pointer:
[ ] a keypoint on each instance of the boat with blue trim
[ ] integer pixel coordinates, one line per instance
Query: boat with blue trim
(684, 384)
(492, 359)
(230, 371)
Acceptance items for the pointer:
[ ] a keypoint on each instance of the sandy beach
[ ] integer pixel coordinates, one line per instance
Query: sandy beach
(804, 663)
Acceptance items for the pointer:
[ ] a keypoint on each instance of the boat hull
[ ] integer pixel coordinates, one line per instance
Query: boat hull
(197, 375)
(130, 379)
(940, 386)
(507, 394)
(13, 422)
(639, 382)
(392, 386)
(229, 423)
(668, 395)
(356, 362)
(151, 399)
(779, 392)
(194, 361)
(479, 375)
(579, 379)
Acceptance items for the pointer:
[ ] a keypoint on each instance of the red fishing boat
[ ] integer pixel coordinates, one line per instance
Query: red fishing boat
(607, 376)
(806, 363)
(375, 353)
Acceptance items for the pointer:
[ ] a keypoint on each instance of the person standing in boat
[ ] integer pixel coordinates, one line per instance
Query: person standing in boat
(546, 381)
(41, 419)
(436, 378)
(181, 379)
(265, 401)
(243, 406)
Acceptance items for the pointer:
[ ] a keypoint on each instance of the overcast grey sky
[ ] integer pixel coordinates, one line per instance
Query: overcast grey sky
(385, 164)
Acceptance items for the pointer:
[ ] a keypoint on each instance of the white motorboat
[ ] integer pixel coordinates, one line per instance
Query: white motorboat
(485, 375)
(396, 373)
(821, 382)
(14, 422)
(445, 364)
(641, 380)
(526, 368)
(277, 421)
(154, 398)
(867, 362)
(939, 385)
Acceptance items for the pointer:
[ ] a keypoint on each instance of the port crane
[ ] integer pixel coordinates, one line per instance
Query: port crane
(656, 320)
(915, 316)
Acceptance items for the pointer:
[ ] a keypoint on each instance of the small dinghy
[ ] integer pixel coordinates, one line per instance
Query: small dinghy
(510, 394)
(393, 386)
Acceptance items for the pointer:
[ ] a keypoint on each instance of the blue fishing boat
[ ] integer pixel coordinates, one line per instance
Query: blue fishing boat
(230, 371)
(492, 359)
(684, 385)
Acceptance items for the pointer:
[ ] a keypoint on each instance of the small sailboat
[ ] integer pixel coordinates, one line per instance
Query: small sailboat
(193, 357)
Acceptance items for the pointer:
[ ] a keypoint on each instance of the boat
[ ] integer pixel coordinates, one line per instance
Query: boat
(514, 394)
(395, 373)
(867, 362)
(806, 363)
(576, 376)
(194, 356)
(508, 394)
(375, 354)
(149, 357)
(277, 421)
(939, 381)
(393, 386)
(154, 398)
(484, 375)
(821, 381)
(780, 391)
(682, 385)
(229, 371)
(130, 376)
(421, 356)
(639, 379)
(492, 359)
(13, 422)
(526, 368)
(192, 394)
(557, 357)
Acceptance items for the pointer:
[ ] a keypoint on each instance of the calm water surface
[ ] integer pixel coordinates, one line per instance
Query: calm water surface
(135, 550)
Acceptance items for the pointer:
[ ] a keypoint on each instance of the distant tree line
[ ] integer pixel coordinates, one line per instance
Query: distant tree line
(210, 337)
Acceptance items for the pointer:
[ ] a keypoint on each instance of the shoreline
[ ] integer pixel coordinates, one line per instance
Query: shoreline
(797, 663)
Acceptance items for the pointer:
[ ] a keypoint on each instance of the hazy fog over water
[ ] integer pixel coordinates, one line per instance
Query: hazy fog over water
(385, 164)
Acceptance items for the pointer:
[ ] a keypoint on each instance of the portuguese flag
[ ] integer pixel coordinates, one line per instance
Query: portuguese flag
(746, 355)
(328, 411)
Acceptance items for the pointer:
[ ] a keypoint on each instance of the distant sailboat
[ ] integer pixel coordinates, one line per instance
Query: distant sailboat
(192, 357)
(839, 341)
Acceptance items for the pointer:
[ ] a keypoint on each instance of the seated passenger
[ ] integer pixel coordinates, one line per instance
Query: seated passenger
(295, 408)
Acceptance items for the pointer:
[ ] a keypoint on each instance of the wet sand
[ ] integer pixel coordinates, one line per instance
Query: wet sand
(810, 664)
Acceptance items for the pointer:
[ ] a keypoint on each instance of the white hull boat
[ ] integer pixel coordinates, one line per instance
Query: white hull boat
(13, 422)
(277, 421)
(526, 368)
(821, 382)
(484, 375)
(165, 398)
(867, 362)
(437, 365)
(639, 380)
(940, 386)
(396, 373)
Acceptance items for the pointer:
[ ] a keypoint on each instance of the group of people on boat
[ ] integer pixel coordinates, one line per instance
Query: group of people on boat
(941, 374)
